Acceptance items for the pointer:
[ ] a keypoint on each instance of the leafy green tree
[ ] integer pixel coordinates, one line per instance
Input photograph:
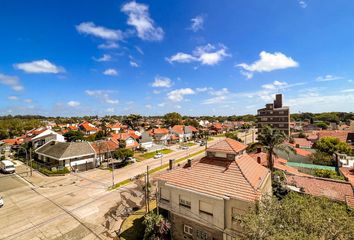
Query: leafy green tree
(156, 227)
(271, 139)
(297, 217)
(331, 145)
(122, 144)
(324, 173)
(123, 153)
(191, 122)
(172, 119)
(322, 125)
(132, 120)
(73, 136)
(232, 136)
(322, 158)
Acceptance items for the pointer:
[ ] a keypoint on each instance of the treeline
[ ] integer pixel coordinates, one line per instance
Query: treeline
(326, 117)
(13, 127)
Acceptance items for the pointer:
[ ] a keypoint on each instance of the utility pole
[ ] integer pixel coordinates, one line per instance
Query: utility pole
(30, 156)
(147, 190)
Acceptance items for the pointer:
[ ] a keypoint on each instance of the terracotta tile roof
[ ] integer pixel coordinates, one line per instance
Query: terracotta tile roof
(228, 145)
(104, 146)
(217, 125)
(340, 134)
(240, 178)
(174, 137)
(348, 173)
(350, 201)
(160, 131)
(178, 129)
(73, 128)
(302, 142)
(132, 134)
(114, 126)
(192, 128)
(120, 136)
(333, 189)
(279, 163)
(14, 141)
(302, 152)
(88, 126)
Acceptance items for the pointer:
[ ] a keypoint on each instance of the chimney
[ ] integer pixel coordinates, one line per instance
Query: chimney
(259, 160)
(259, 150)
(170, 164)
(189, 162)
(278, 103)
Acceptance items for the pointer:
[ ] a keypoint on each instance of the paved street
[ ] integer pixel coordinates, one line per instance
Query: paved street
(76, 206)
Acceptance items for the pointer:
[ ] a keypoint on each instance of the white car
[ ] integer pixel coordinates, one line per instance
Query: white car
(6, 166)
(158, 155)
(184, 147)
(131, 159)
(1, 202)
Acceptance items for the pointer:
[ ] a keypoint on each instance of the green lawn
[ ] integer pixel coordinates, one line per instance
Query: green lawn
(152, 154)
(133, 227)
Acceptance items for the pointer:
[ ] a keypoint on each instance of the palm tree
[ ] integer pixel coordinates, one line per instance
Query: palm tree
(271, 139)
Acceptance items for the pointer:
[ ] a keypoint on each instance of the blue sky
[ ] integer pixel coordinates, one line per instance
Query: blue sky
(74, 58)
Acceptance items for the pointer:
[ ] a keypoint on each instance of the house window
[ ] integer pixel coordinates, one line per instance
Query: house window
(202, 235)
(206, 208)
(187, 230)
(184, 202)
(230, 156)
(210, 154)
(264, 119)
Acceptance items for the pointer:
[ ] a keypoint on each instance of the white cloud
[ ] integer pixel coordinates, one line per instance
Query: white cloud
(27, 100)
(103, 95)
(181, 58)
(197, 23)
(11, 81)
(139, 50)
(178, 106)
(269, 62)
(73, 104)
(348, 90)
(148, 106)
(156, 91)
(98, 31)
(110, 110)
(302, 4)
(108, 45)
(220, 92)
(110, 72)
(274, 85)
(139, 17)
(206, 55)
(104, 58)
(133, 63)
(14, 98)
(248, 75)
(162, 82)
(327, 78)
(161, 104)
(203, 89)
(39, 66)
(178, 94)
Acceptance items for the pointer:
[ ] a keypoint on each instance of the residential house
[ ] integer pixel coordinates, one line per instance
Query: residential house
(302, 143)
(115, 128)
(130, 142)
(104, 150)
(45, 137)
(205, 199)
(161, 135)
(217, 128)
(146, 141)
(88, 128)
(73, 155)
(178, 130)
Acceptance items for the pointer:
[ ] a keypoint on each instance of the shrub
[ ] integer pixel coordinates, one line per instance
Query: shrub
(328, 174)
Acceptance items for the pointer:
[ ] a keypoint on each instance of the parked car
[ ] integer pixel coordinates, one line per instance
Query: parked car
(158, 155)
(1, 202)
(7, 166)
(202, 144)
(131, 159)
(184, 147)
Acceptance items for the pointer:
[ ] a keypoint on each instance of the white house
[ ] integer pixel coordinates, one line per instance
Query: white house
(46, 136)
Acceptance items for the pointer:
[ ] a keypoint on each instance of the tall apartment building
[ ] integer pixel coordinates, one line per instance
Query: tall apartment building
(205, 199)
(275, 115)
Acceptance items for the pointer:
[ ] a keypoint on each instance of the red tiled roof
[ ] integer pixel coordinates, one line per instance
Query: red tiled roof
(104, 146)
(217, 125)
(240, 178)
(174, 137)
(333, 189)
(160, 131)
(228, 145)
(178, 129)
(132, 134)
(14, 141)
(192, 128)
(302, 152)
(279, 163)
(115, 125)
(302, 142)
(120, 136)
(340, 134)
(88, 126)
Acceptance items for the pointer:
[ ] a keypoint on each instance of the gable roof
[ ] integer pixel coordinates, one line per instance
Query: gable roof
(178, 129)
(88, 126)
(65, 150)
(227, 145)
(104, 146)
(160, 131)
(241, 178)
(340, 134)
(45, 133)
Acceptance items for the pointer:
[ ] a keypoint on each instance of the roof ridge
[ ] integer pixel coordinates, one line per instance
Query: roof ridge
(66, 149)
